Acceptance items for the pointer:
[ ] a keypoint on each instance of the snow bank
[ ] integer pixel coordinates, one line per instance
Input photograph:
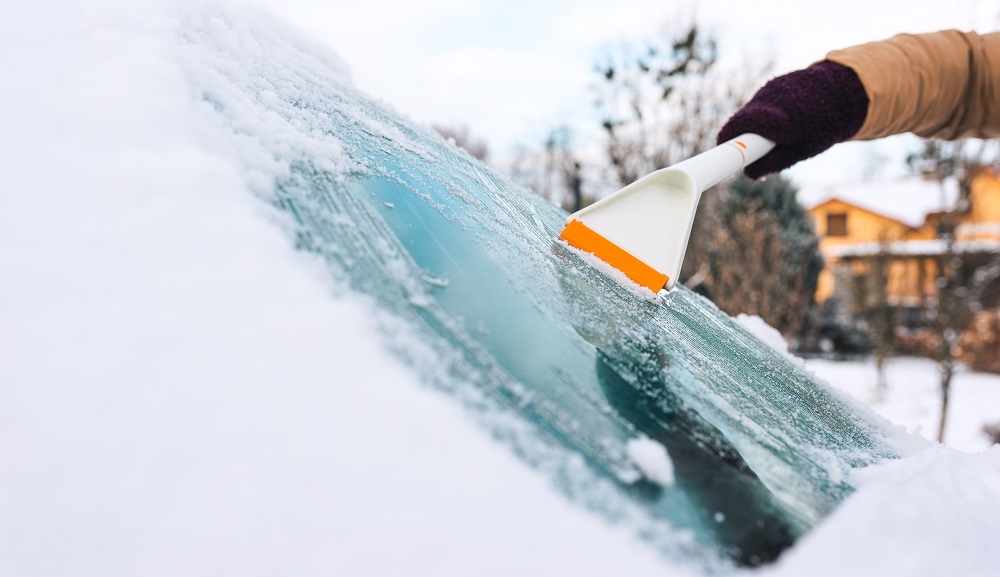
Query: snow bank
(929, 514)
(181, 392)
(936, 513)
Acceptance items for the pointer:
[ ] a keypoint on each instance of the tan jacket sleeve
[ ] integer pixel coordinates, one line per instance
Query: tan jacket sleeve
(942, 85)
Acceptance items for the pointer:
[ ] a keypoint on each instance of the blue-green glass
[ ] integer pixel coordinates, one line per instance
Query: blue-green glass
(558, 361)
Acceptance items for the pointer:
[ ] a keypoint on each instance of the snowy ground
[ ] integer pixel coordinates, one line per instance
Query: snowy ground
(182, 393)
(913, 399)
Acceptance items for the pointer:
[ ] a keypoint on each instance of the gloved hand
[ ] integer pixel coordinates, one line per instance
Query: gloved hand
(804, 112)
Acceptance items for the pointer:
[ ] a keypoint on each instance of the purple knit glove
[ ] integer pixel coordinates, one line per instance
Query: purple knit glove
(803, 112)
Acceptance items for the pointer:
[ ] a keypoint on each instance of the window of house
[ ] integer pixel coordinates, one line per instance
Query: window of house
(836, 224)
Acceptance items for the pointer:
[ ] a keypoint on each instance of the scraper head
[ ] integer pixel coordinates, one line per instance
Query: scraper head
(582, 237)
(643, 229)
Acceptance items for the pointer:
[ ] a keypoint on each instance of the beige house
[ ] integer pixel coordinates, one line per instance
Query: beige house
(902, 221)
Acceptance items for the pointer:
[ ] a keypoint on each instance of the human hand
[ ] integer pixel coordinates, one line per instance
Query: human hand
(804, 112)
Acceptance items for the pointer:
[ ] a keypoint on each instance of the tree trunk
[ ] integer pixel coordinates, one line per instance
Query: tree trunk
(881, 386)
(947, 368)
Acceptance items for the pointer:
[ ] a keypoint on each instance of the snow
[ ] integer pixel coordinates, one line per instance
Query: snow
(183, 392)
(906, 199)
(936, 513)
(768, 335)
(652, 459)
(913, 398)
(914, 247)
(933, 513)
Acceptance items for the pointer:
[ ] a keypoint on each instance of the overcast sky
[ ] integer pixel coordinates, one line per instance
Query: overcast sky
(511, 70)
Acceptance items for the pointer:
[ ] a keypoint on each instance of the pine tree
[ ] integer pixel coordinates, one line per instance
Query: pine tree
(763, 255)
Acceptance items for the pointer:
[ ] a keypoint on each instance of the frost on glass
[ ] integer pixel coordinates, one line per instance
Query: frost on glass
(559, 362)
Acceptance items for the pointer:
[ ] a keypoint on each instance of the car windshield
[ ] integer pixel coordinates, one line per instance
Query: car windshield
(578, 374)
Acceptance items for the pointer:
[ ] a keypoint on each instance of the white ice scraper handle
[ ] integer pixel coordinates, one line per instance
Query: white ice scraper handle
(712, 166)
(643, 229)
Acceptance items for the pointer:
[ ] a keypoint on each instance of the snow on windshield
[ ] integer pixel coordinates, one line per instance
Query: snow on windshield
(565, 367)
(559, 361)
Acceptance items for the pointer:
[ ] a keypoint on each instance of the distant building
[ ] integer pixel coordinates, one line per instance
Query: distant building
(903, 226)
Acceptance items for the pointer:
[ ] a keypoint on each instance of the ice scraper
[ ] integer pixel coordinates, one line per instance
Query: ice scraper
(643, 229)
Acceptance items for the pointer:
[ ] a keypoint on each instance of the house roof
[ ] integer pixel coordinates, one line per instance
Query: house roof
(908, 200)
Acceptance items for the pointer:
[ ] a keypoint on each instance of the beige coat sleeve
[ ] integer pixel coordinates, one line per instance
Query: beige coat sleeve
(942, 85)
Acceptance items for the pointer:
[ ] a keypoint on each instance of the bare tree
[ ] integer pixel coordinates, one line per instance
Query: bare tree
(872, 304)
(943, 161)
(979, 345)
(764, 255)
(663, 101)
(639, 98)
(556, 173)
(563, 171)
(950, 318)
(993, 432)
(460, 136)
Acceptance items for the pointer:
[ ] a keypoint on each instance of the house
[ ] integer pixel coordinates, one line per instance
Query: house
(895, 233)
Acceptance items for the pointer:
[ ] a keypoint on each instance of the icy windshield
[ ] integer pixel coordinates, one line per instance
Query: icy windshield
(665, 415)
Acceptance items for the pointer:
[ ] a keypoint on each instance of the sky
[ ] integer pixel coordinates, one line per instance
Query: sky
(512, 70)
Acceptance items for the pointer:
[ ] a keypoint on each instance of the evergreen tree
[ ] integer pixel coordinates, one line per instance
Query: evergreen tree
(763, 256)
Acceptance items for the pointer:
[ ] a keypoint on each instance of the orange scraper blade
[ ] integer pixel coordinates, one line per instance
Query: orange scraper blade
(586, 239)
